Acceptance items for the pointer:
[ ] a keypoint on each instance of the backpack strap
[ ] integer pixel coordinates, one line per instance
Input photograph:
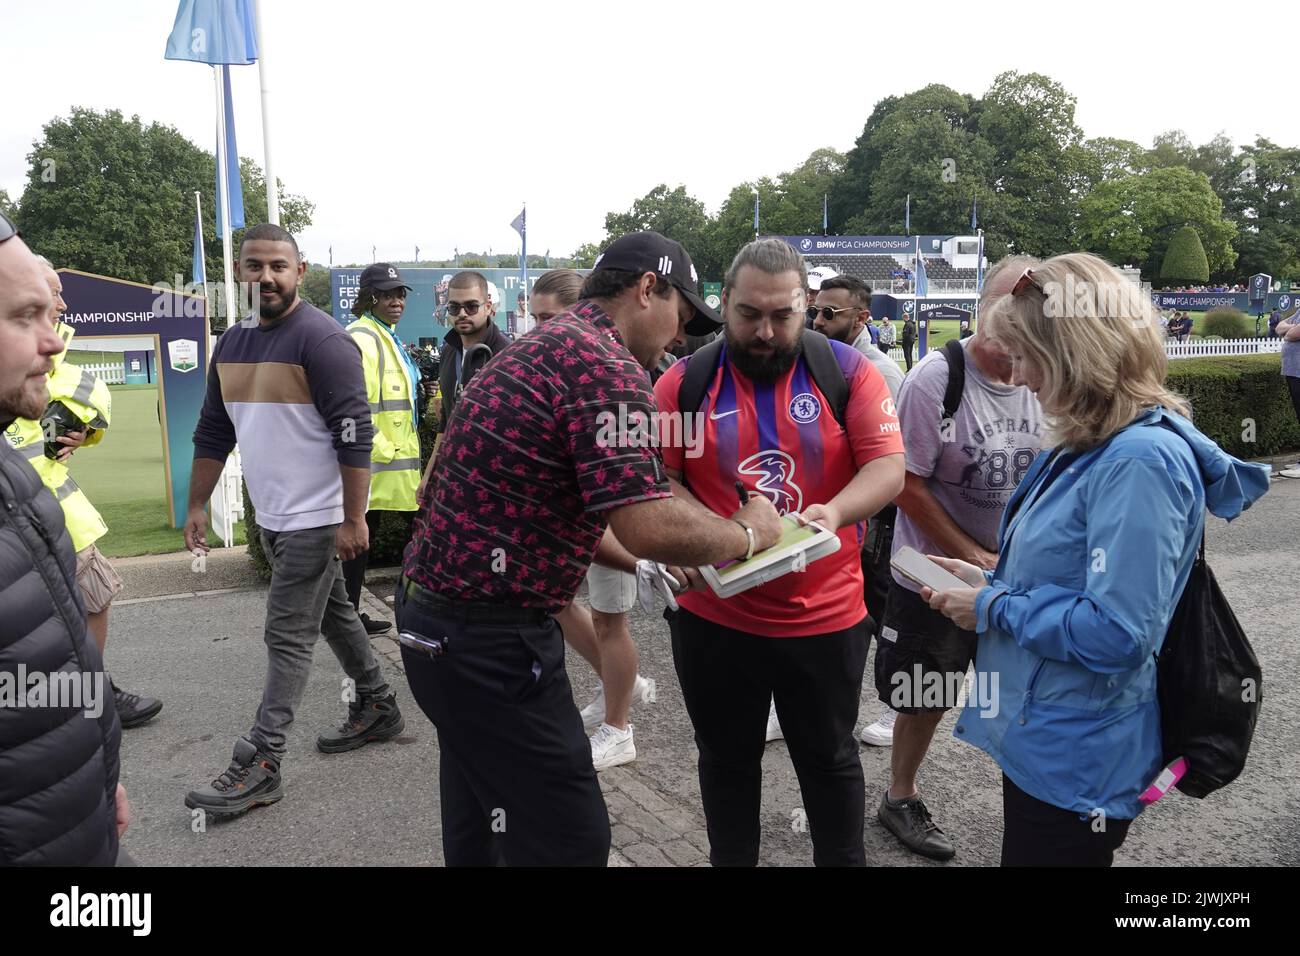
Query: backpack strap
(956, 356)
(818, 355)
(699, 372)
(825, 369)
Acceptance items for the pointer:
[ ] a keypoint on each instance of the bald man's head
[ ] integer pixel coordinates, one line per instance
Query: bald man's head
(27, 338)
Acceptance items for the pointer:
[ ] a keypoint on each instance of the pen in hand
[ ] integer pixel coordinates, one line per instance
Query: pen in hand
(742, 493)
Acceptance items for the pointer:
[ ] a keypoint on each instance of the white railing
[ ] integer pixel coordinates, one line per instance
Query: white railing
(112, 374)
(1204, 347)
(1176, 350)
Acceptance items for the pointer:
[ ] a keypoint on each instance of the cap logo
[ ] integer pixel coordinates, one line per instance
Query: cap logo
(392, 273)
(598, 258)
(665, 265)
(694, 277)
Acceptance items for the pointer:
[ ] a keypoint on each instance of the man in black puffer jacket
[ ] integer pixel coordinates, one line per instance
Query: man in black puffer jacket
(60, 802)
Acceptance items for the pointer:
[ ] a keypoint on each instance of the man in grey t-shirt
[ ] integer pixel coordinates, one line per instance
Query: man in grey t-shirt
(961, 472)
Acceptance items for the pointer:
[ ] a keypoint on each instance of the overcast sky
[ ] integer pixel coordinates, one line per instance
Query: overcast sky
(412, 123)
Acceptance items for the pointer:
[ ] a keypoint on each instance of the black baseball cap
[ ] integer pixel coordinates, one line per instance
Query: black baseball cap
(642, 252)
(382, 278)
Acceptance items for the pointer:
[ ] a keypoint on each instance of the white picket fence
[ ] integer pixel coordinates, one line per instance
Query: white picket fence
(112, 374)
(1194, 348)
(1210, 347)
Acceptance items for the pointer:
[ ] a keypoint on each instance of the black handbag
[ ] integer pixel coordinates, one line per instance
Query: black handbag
(1209, 685)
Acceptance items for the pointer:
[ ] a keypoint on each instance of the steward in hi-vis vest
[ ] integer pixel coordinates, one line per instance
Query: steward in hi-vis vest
(393, 392)
(79, 400)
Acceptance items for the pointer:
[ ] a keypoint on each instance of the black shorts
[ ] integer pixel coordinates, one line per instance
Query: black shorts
(921, 656)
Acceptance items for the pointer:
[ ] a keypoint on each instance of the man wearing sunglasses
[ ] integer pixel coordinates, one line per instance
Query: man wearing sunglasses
(393, 393)
(60, 800)
(473, 340)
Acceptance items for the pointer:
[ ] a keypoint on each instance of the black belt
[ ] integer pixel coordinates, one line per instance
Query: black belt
(471, 612)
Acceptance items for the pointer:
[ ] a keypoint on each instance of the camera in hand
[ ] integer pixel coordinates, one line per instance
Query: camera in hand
(57, 421)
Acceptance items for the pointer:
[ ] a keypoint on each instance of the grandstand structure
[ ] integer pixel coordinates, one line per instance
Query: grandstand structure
(889, 265)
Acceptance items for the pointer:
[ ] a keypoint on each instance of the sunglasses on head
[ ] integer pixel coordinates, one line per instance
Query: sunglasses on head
(469, 308)
(7, 228)
(826, 311)
(1027, 281)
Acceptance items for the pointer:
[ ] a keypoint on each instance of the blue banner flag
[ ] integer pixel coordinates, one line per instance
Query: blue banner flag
(922, 281)
(199, 268)
(979, 268)
(907, 215)
(975, 201)
(214, 31)
(520, 224)
(232, 163)
(755, 215)
(825, 229)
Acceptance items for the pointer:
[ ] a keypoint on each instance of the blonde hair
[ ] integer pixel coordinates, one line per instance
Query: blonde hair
(1094, 335)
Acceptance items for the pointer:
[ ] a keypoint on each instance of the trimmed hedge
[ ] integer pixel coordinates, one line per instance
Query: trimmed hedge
(1228, 393)
(387, 547)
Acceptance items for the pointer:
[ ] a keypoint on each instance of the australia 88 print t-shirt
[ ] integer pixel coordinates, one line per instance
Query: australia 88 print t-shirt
(782, 440)
(973, 464)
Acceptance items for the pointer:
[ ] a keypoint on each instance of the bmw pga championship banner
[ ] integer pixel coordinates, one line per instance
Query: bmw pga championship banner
(100, 309)
(424, 321)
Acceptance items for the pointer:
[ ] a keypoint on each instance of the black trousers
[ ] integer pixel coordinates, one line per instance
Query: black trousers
(515, 777)
(1293, 384)
(1038, 834)
(354, 570)
(727, 678)
(907, 354)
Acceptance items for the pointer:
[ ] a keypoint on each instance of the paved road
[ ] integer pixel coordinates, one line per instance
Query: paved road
(204, 655)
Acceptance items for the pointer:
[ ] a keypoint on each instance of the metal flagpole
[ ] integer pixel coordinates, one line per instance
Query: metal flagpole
(272, 192)
(524, 322)
(223, 188)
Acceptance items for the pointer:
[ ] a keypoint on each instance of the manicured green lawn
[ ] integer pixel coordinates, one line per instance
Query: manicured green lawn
(123, 477)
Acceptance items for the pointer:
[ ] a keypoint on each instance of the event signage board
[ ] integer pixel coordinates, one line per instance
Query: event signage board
(424, 321)
(865, 245)
(101, 308)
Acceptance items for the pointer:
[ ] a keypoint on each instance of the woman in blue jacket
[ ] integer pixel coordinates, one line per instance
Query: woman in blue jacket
(1096, 546)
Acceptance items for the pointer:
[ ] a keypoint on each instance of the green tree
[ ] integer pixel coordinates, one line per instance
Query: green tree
(1185, 258)
(8, 206)
(315, 286)
(1264, 202)
(473, 262)
(1105, 159)
(508, 262)
(1039, 162)
(1171, 148)
(116, 197)
(670, 212)
(851, 190)
(1132, 220)
(584, 257)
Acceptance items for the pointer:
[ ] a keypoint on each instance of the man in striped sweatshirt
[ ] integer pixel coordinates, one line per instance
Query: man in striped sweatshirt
(289, 387)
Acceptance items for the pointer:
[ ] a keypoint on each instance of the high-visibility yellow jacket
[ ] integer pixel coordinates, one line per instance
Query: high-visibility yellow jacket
(391, 393)
(87, 397)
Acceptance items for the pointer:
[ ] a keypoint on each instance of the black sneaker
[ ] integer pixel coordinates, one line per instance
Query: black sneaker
(132, 709)
(910, 821)
(369, 721)
(374, 627)
(251, 780)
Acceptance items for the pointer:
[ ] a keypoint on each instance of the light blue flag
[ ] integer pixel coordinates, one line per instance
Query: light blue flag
(756, 214)
(979, 268)
(974, 223)
(232, 162)
(213, 31)
(199, 269)
(922, 281)
(907, 215)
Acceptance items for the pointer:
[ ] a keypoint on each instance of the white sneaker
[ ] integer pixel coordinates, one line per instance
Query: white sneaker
(611, 747)
(593, 715)
(773, 725)
(1292, 472)
(881, 733)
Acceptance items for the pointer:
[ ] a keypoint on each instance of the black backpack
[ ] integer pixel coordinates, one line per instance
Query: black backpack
(956, 356)
(1209, 684)
(817, 355)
